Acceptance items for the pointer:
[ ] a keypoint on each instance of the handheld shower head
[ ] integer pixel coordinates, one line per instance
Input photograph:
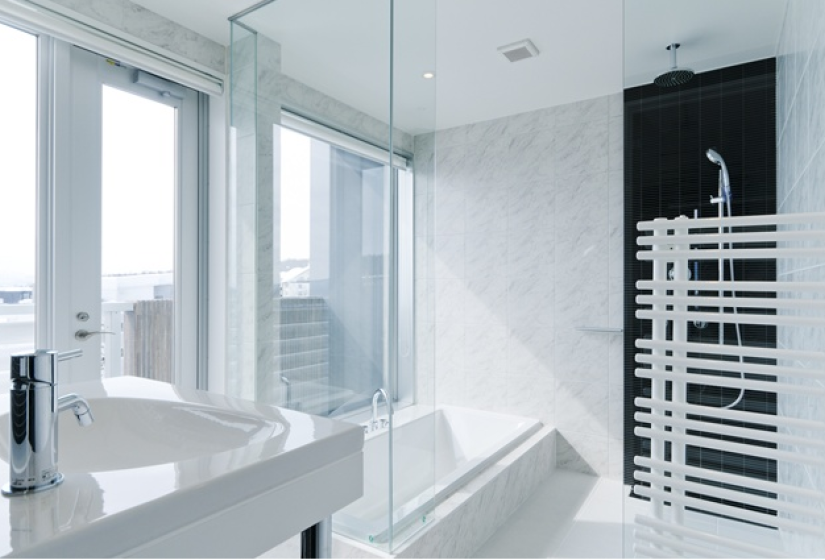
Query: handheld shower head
(714, 156)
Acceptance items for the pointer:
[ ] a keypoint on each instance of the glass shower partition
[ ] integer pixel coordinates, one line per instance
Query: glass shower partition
(327, 104)
(724, 363)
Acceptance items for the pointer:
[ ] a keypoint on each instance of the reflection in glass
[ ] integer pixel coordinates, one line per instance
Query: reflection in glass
(315, 203)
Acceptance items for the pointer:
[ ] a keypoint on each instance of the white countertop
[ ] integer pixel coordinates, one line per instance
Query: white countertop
(260, 476)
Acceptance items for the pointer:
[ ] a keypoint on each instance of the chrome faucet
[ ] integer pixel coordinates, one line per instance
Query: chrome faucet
(33, 420)
(375, 396)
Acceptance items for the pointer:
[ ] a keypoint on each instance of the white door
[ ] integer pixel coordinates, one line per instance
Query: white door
(125, 237)
(98, 213)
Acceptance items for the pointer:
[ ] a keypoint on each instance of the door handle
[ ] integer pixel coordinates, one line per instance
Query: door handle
(83, 334)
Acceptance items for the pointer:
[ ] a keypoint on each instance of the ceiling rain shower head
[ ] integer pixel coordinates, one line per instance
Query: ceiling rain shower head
(675, 76)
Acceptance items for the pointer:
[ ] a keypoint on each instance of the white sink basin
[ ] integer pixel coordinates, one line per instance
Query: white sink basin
(175, 473)
(130, 433)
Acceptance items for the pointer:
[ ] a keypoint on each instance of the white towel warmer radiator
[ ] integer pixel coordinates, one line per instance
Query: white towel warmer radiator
(795, 303)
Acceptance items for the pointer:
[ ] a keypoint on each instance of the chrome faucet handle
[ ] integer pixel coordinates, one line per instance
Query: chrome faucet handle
(39, 366)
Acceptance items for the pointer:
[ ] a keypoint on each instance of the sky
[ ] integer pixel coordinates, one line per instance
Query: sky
(295, 184)
(18, 135)
(138, 175)
(138, 172)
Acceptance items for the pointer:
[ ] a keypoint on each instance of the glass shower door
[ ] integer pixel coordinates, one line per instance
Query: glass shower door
(320, 237)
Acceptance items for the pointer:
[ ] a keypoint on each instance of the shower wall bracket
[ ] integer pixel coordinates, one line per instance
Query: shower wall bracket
(606, 330)
(794, 371)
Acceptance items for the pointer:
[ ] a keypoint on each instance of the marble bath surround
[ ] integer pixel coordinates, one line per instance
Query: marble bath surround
(435, 453)
(470, 515)
(463, 521)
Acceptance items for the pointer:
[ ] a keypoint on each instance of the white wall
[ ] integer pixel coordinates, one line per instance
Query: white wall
(801, 188)
(519, 241)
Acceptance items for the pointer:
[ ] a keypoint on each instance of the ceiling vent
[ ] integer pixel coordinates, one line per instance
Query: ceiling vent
(519, 50)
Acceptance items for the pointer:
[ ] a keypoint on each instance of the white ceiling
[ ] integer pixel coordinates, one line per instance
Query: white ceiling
(341, 48)
(580, 55)
(712, 33)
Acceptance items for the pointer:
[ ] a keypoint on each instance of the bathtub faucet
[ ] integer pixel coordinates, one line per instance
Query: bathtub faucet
(375, 396)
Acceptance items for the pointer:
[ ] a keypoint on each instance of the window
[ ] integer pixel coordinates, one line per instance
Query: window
(341, 304)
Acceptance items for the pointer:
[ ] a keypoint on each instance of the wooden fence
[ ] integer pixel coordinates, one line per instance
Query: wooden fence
(148, 332)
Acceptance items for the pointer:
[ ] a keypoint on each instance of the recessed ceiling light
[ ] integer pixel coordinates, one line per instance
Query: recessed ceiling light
(428, 75)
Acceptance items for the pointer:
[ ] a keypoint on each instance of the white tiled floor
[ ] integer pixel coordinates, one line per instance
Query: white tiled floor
(571, 515)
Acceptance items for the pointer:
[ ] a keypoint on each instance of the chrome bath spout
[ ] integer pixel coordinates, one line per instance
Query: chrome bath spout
(375, 398)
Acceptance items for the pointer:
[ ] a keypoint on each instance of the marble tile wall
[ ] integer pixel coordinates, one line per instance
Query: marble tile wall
(253, 242)
(518, 242)
(801, 175)
(313, 104)
(132, 19)
(240, 216)
(267, 247)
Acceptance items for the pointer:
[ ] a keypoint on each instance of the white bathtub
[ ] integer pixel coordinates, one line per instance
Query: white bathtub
(466, 442)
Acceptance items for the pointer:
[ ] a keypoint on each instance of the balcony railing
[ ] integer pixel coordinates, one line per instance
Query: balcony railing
(140, 343)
